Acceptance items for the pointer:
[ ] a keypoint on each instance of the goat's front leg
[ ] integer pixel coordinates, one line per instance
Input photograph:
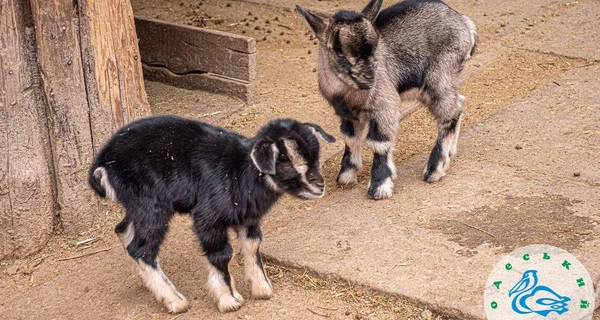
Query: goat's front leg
(383, 126)
(353, 132)
(219, 252)
(250, 239)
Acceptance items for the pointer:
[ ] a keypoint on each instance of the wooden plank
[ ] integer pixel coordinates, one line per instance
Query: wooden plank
(59, 60)
(208, 82)
(185, 49)
(26, 179)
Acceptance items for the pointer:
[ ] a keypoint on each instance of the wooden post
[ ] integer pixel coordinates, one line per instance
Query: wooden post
(70, 75)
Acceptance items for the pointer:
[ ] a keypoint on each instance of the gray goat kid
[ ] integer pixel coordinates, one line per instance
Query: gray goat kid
(370, 61)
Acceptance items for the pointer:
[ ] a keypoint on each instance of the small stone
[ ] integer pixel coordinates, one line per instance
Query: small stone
(276, 18)
(267, 21)
(576, 174)
(282, 33)
(518, 147)
(315, 43)
(309, 52)
(314, 69)
(250, 13)
(244, 31)
(255, 18)
(264, 38)
(12, 270)
(269, 31)
(287, 41)
(247, 24)
(228, 5)
(257, 28)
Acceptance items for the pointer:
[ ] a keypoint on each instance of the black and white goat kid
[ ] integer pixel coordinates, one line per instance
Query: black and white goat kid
(370, 61)
(161, 165)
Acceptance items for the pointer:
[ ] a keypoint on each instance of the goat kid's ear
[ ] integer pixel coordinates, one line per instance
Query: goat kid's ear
(316, 23)
(264, 155)
(320, 133)
(372, 9)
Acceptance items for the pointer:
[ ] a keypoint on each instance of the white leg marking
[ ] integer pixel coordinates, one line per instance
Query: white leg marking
(385, 190)
(380, 147)
(347, 177)
(260, 286)
(438, 173)
(162, 289)
(100, 173)
(217, 286)
(127, 236)
(391, 165)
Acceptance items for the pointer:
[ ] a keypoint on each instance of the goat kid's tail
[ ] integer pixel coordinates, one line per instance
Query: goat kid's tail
(474, 36)
(98, 180)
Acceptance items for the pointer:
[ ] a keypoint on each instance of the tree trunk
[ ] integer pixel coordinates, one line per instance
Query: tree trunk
(65, 88)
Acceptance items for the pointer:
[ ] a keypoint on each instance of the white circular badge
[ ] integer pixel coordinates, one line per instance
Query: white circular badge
(539, 282)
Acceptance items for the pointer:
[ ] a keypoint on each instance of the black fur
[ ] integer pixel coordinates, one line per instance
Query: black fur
(379, 173)
(161, 165)
(375, 134)
(347, 128)
(346, 163)
(342, 108)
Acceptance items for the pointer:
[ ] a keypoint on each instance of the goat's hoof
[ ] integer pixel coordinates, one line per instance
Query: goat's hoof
(262, 290)
(177, 305)
(433, 175)
(347, 177)
(230, 303)
(382, 190)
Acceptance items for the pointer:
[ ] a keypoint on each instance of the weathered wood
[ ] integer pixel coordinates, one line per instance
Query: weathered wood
(185, 49)
(112, 67)
(208, 82)
(26, 180)
(59, 58)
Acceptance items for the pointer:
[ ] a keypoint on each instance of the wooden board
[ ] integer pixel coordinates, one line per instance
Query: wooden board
(196, 58)
(208, 82)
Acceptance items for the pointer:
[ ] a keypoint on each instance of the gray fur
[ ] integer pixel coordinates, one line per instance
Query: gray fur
(369, 62)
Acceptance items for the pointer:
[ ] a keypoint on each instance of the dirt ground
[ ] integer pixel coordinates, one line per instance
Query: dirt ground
(100, 282)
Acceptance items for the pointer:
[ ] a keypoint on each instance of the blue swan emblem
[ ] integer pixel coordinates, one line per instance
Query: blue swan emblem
(531, 298)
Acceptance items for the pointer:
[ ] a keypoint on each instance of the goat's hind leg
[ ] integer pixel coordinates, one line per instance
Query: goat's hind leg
(353, 132)
(447, 109)
(143, 248)
(219, 252)
(250, 239)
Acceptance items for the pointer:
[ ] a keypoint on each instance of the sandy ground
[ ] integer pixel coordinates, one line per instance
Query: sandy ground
(104, 284)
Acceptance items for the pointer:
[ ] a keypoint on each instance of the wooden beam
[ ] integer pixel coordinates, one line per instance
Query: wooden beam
(196, 58)
(208, 82)
(184, 49)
